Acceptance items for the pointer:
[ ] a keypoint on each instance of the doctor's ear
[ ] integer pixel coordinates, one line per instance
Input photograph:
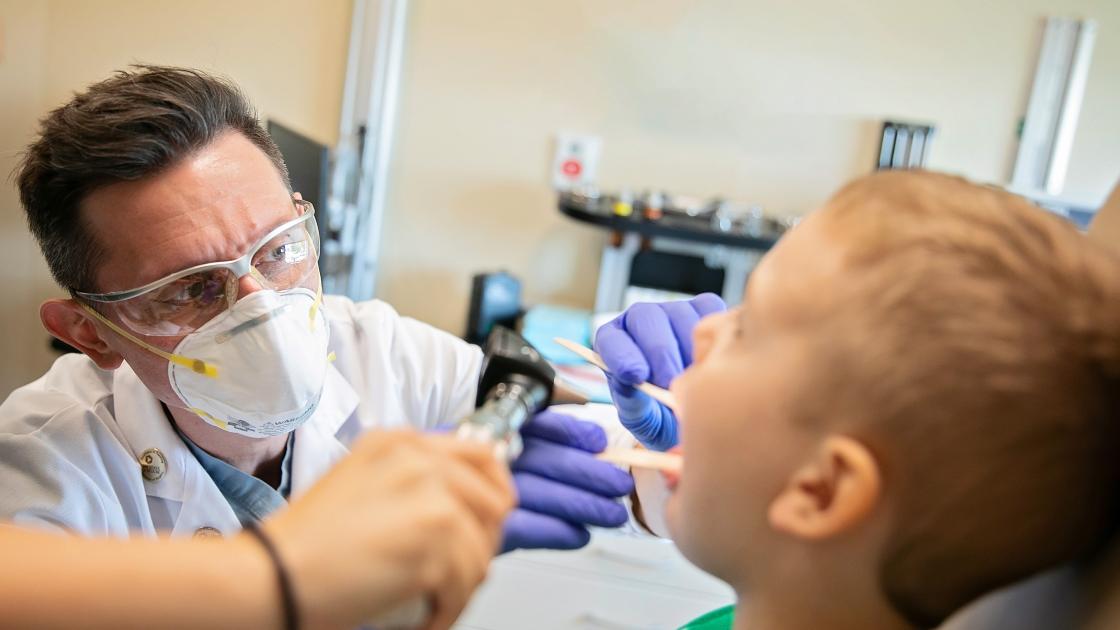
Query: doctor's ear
(70, 323)
(834, 491)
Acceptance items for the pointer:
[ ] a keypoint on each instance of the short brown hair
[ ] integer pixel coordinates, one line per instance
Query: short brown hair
(988, 385)
(130, 126)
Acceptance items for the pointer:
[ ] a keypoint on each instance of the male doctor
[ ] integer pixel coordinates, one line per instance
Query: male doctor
(215, 380)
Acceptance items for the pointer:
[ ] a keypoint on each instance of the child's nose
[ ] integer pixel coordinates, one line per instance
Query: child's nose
(703, 336)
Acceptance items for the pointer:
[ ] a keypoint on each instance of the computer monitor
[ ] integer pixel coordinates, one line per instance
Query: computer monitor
(308, 165)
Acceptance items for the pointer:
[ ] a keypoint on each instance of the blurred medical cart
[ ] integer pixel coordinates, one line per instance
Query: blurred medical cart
(665, 247)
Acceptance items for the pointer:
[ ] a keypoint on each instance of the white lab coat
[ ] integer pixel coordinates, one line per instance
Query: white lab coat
(70, 442)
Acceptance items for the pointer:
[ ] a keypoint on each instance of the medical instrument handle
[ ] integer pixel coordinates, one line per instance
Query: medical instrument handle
(516, 383)
(506, 408)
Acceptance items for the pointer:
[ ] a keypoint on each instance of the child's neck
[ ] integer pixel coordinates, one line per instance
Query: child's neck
(810, 605)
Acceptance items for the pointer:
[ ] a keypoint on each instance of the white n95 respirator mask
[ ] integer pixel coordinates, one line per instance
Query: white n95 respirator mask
(270, 353)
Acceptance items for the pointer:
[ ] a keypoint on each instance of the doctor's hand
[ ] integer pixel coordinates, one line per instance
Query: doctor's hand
(651, 342)
(404, 516)
(562, 489)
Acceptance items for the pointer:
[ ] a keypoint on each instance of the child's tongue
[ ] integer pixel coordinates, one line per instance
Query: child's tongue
(671, 477)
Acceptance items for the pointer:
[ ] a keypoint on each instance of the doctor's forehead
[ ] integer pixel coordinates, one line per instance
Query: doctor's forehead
(210, 207)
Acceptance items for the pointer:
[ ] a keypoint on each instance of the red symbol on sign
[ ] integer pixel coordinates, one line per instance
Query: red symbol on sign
(571, 168)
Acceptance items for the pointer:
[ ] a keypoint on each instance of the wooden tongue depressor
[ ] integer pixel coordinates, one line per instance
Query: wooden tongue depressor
(641, 458)
(587, 354)
(564, 393)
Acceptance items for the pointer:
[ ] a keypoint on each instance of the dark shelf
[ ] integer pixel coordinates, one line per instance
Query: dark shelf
(668, 226)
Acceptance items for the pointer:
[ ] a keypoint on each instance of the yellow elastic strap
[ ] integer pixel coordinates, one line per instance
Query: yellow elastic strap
(221, 424)
(315, 306)
(197, 365)
(331, 356)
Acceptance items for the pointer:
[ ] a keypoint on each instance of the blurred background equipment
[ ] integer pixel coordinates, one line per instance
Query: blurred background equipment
(666, 247)
(495, 301)
(904, 145)
(309, 169)
(359, 180)
(1048, 128)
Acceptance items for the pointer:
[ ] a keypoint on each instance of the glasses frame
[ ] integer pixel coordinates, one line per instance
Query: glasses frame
(240, 266)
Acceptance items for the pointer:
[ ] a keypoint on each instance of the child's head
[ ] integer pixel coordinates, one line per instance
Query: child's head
(920, 389)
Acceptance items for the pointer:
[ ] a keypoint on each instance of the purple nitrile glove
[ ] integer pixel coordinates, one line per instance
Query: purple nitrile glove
(651, 342)
(561, 488)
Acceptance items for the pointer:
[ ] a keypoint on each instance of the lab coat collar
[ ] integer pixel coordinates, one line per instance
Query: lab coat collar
(143, 424)
(184, 484)
(317, 444)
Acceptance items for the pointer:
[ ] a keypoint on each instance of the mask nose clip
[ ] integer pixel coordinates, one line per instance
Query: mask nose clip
(251, 324)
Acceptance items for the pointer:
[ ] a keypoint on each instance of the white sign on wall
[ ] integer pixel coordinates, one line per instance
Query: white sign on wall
(576, 161)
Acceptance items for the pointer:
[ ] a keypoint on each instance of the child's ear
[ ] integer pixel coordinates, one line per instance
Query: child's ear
(836, 490)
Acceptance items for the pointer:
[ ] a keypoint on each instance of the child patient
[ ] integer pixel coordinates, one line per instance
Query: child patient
(917, 403)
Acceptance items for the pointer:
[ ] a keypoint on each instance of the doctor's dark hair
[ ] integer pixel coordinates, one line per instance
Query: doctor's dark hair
(978, 339)
(130, 126)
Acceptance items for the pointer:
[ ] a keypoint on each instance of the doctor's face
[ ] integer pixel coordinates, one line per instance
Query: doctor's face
(739, 406)
(212, 206)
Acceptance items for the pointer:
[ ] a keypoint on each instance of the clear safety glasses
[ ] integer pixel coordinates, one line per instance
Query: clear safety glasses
(286, 258)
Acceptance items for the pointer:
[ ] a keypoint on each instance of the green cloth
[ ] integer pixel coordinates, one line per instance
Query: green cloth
(718, 619)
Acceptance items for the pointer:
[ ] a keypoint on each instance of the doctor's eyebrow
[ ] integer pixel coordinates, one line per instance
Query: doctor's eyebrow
(252, 245)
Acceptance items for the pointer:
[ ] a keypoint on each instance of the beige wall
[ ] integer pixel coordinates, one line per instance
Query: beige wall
(288, 55)
(23, 36)
(772, 102)
(776, 102)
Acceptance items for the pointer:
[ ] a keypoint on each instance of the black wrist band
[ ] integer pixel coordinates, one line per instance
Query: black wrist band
(287, 595)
